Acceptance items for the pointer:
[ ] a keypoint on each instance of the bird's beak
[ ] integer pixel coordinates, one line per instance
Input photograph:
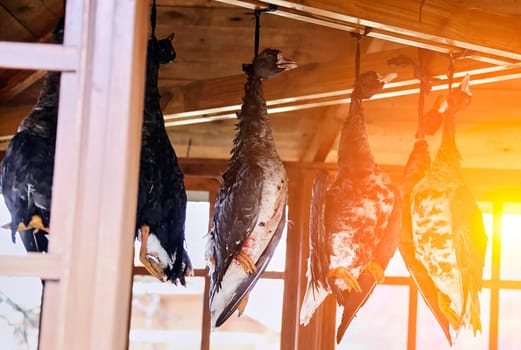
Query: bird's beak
(387, 78)
(465, 85)
(285, 63)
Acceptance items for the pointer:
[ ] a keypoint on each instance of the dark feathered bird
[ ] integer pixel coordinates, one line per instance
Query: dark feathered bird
(447, 226)
(161, 207)
(28, 165)
(417, 166)
(355, 225)
(249, 210)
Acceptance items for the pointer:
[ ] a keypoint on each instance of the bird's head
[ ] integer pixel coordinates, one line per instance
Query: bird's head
(458, 99)
(269, 63)
(166, 49)
(369, 83)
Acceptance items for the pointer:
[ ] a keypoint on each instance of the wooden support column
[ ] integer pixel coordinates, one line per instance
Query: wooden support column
(96, 173)
(317, 335)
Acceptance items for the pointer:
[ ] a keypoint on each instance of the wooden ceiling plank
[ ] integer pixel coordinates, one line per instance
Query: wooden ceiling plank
(11, 29)
(37, 19)
(460, 26)
(18, 83)
(304, 80)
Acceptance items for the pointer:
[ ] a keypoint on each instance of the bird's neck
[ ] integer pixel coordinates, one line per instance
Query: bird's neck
(448, 155)
(50, 93)
(254, 124)
(152, 96)
(354, 151)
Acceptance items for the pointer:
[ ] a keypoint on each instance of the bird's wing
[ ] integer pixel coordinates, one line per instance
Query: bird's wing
(416, 168)
(318, 250)
(467, 221)
(247, 284)
(352, 300)
(27, 172)
(236, 212)
(424, 282)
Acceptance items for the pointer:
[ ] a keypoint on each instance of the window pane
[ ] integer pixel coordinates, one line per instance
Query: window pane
(487, 268)
(510, 246)
(396, 266)
(165, 316)
(259, 327)
(509, 336)
(431, 337)
(382, 320)
(20, 301)
(196, 228)
(278, 260)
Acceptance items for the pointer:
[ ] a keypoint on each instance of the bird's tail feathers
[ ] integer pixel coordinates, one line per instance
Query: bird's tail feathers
(316, 293)
(182, 267)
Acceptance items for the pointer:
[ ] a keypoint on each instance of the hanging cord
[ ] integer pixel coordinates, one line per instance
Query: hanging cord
(153, 15)
(257, 14)
(425, 88)
(358, 37)
(450, 73)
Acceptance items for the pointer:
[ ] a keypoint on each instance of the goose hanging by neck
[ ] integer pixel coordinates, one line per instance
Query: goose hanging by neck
(161, 206)
(28, 166)
(354, 226)
(447, 226)
(416, 168)
(249, 214)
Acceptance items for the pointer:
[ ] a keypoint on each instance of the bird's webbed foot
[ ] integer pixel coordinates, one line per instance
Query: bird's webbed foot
(246, 262)
(347, 277)
(376, 271)
(451, 315)
(149, 261)
(36, 224)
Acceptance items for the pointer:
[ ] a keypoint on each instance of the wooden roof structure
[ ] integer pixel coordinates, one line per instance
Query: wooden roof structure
(202, 89)
(103, 55)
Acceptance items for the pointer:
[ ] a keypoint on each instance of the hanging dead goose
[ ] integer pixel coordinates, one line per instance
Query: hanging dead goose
(447, 226)
(249, 214)
(355, 230)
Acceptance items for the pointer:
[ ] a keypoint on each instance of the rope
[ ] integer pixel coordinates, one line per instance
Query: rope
(257, 14)
(423, 91)
(358, 37)
(450, 73)
(153, 16)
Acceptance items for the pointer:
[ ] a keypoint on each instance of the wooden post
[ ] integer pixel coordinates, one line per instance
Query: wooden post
(96, 172)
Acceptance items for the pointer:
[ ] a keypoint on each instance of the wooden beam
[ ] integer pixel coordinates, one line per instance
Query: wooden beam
(485, 183)
(18, 83)
(326, 133)
(50, 56)
(440, 25)
(45, 266)
(336, 97)
(95, 186)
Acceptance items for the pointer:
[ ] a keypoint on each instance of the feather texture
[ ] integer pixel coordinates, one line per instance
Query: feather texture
(361, 215)
(28, 166)
(249, 213)
(447, 228)
(161, 205)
